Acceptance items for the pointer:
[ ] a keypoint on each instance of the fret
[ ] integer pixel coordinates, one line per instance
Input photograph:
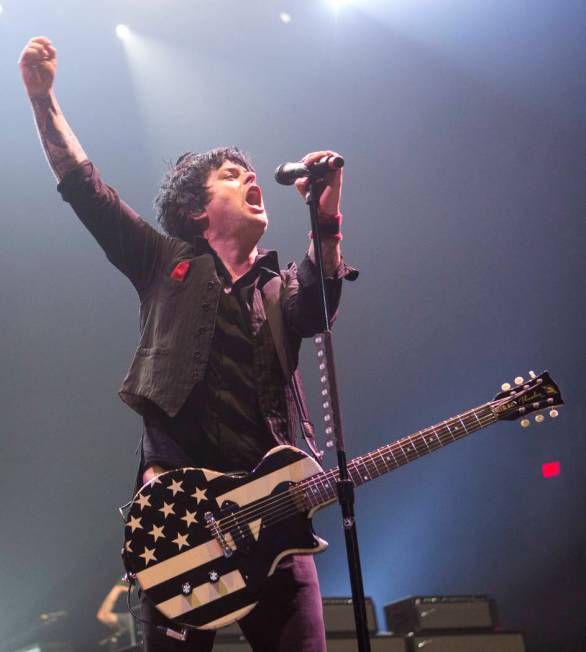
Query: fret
(364, 473)
(477, 419)
(330, 489)
(385, 462)
(373, 457)
(313, 494)
(353, 470)
(389, 457)
(455, 428)
(463, 424)
(394, 456)
(403, 451)
(322, 488)
(422, 436)
(408, 449)
(412, 445)
(449, 430)
(434, 438)
(421, 447)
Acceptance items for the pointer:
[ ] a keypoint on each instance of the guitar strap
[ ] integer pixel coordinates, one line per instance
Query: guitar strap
(305, 424)
(271, 292)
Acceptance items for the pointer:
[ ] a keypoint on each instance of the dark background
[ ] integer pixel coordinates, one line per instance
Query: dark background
(462, 123)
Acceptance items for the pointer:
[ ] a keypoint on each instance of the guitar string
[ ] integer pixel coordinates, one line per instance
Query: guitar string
(274, 516)
(273, 509)
(286, 510)
(369, 463)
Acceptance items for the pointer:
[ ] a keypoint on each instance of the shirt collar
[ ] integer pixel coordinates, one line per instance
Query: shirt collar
(266, 262)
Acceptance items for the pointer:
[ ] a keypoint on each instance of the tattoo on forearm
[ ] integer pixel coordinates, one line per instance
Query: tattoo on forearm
(61, 147)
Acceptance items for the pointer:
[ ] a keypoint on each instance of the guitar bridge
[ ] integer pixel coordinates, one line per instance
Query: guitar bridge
(217, 533)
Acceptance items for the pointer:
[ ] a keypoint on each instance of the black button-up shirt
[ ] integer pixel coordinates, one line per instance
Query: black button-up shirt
(222, 425)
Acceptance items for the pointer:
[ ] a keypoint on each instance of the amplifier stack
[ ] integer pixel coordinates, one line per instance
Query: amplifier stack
(416, 624)
(466, 623)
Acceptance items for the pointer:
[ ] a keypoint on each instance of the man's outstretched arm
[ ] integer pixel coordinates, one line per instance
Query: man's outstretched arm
(38, 66)
(129, 242)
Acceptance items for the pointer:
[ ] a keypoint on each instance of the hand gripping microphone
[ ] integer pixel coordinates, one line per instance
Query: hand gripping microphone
(287, 173)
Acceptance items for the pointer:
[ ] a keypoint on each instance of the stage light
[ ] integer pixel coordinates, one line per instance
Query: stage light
(550, 469)
(1, 9)
(122, 32)
(285, 17)
(339, 3)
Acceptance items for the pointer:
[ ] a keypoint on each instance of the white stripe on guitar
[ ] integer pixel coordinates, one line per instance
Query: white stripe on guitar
(201, 595)
(180, 563)
(263, 486)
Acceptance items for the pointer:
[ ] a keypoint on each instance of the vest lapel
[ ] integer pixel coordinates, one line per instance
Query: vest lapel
(271, 292)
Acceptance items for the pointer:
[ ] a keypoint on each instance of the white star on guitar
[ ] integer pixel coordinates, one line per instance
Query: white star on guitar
(134, 523)
(189, 517)
(181, 540)
(199, 495)
(175, 486)
(167, 509)
(148, 555)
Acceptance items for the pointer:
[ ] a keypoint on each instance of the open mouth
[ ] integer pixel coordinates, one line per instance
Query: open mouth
(254, 197)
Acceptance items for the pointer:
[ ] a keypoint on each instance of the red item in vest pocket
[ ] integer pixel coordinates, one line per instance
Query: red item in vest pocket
(180, 270)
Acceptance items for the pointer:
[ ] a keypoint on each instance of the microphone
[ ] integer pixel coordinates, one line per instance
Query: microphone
(287, 173)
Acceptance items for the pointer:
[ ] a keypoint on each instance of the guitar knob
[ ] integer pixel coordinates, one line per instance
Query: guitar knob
(519, 380)
(553, 413)
(525, 423)
(506, 387)
(539, 418)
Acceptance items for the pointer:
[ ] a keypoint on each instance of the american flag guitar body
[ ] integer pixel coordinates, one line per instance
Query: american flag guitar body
(201, 543)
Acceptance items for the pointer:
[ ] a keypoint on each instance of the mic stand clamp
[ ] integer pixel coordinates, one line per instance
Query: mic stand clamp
(344, 485)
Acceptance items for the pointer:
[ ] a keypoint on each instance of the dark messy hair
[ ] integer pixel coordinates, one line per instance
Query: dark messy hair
(184, 194)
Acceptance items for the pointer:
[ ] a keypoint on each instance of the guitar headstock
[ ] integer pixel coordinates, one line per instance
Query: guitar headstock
(536, 394)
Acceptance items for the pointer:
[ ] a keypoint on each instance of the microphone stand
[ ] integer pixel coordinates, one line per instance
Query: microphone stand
(345, 487)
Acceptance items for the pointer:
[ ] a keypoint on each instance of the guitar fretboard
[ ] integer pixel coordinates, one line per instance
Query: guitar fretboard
(320, 489)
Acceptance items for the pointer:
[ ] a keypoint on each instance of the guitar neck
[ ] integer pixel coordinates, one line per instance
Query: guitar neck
(320, 489)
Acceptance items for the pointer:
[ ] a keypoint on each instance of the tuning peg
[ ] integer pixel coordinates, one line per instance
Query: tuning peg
(506, 387)
(525, 423)
(553, 413)
(532, 375)
(519, 380)
(539, 418)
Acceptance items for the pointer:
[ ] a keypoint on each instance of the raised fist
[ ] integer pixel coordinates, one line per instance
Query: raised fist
(38, 65)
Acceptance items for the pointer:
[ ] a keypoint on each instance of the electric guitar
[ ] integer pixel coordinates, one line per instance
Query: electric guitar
(201, 543)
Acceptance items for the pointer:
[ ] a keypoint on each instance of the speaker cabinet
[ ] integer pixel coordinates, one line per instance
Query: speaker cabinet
(501, 642)
(377, 644)
(339, 616)
(441, 613)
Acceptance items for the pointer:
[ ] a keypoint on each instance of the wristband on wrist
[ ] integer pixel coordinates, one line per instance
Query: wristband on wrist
(329, 226)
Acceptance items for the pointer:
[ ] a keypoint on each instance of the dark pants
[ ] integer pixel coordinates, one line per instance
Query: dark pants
(288, 618)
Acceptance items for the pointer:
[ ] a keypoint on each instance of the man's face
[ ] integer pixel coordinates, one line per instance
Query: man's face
(236, 206)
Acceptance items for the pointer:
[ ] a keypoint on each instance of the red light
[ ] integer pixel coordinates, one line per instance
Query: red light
(550, 469)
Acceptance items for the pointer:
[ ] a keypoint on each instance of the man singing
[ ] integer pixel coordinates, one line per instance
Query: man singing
(215, 373)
